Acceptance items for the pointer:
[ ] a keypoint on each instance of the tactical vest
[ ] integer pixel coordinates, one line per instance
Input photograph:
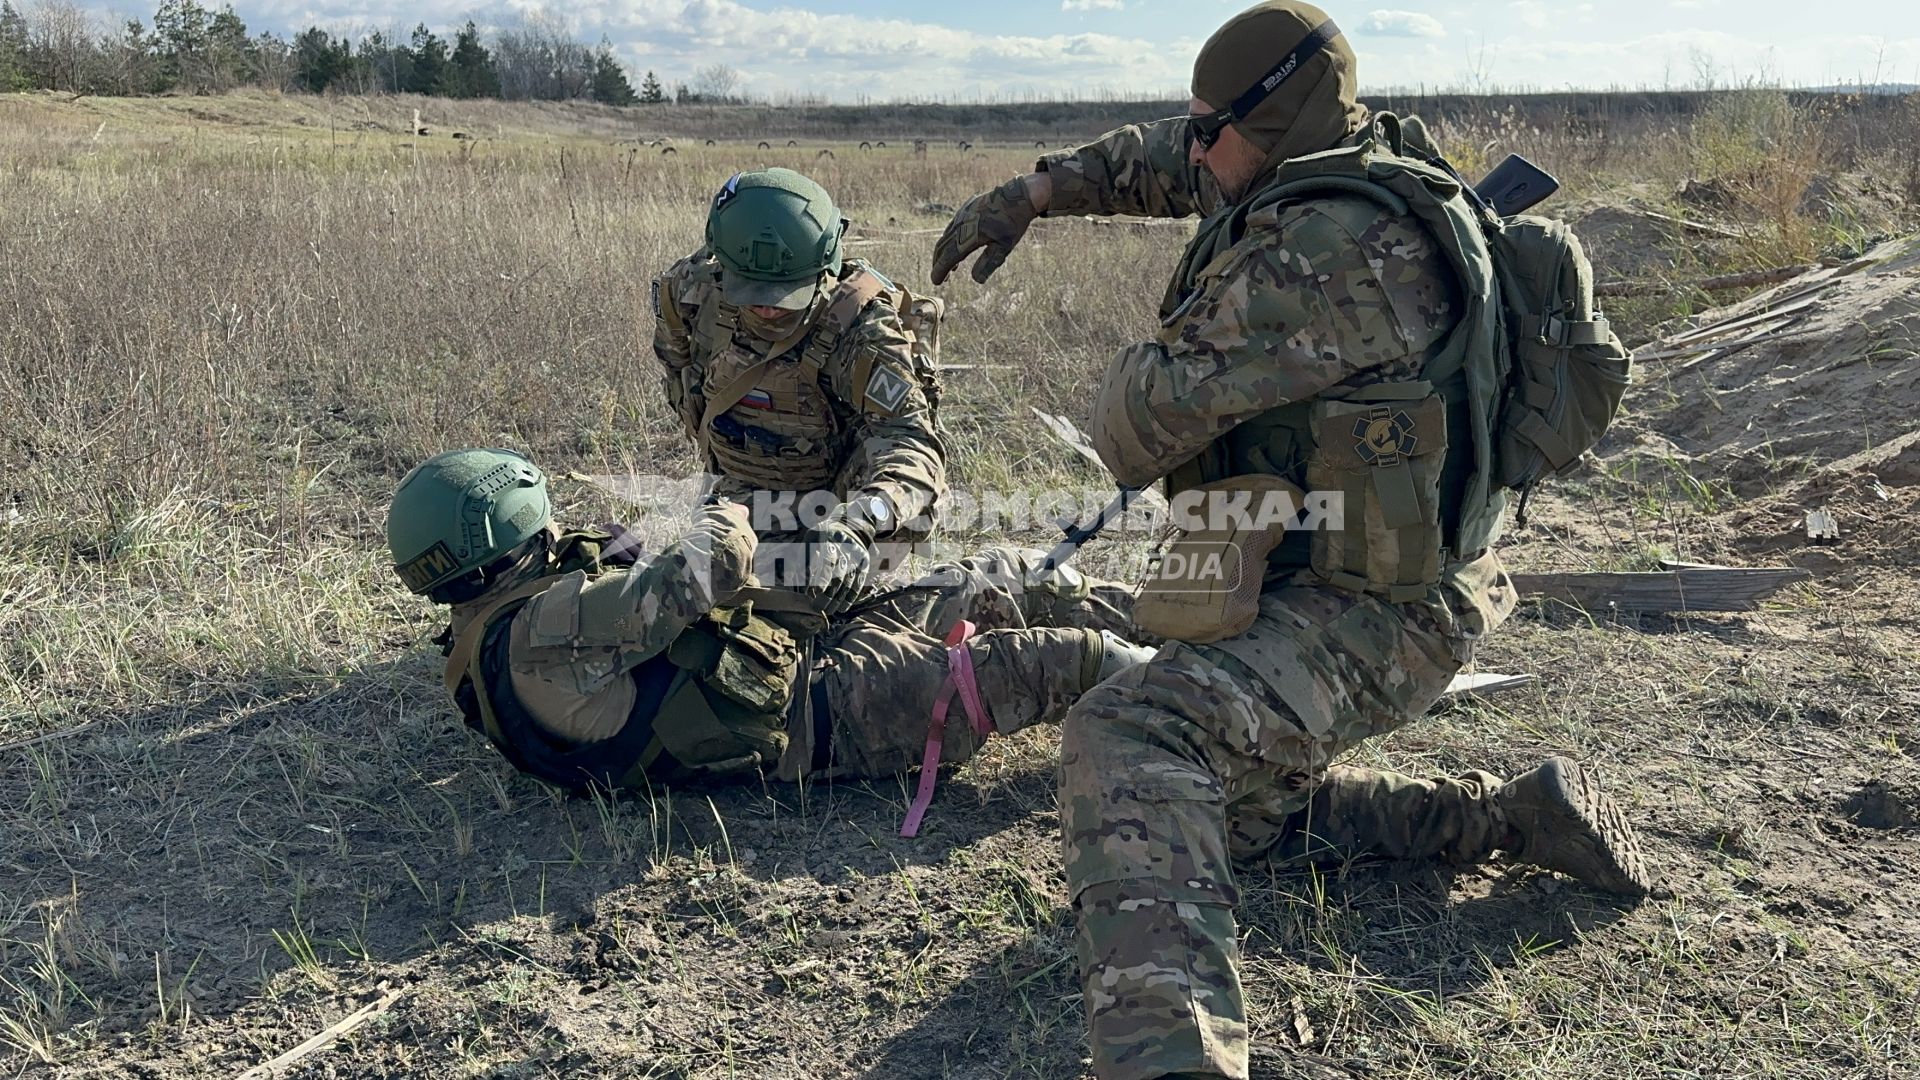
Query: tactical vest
(1411, 459)
(771, 421)
(715, 701)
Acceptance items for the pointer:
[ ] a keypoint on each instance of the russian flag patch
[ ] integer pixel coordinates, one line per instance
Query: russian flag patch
(757, 399)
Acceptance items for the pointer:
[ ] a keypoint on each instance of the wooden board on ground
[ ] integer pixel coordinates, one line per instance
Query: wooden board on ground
(1691, 588)
(1482, 683)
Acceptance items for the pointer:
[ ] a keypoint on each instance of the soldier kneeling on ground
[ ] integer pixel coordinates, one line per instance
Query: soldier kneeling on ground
(803, 373)
(587, 663)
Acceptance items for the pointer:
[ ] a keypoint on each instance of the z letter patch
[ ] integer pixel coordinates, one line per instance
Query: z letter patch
(887, 389)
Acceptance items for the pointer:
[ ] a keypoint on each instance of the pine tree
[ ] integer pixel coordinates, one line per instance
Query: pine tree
(473, 73)
(180, 31)
(319, 61)
(233, 57)
(390, 63)
(651, 92)
(610, 85)
(13, 49)
(430, 67)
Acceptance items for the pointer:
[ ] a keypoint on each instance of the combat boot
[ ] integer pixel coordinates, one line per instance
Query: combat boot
(1559, 820)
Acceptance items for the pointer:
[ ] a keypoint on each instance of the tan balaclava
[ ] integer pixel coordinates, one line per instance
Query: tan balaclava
(1288, 74)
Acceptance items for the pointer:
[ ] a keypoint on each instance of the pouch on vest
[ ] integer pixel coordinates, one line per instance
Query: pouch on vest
(1206, 585)
(921, 317)
(732, 714)
(1383, 448)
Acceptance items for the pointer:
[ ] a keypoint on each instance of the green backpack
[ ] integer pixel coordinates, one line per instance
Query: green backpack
(1568, 370)
(1560, 369)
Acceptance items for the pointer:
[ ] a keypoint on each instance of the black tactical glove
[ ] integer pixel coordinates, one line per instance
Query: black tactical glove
(994, 221)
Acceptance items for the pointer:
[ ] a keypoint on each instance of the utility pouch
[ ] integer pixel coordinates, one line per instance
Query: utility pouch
(732, 713)
(1382, 448)
(1205, 586)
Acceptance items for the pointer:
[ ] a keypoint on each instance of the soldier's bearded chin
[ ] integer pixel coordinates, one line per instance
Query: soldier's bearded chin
(1233, 180)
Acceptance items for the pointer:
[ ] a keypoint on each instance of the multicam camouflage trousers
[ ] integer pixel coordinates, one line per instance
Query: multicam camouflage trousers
(1036, 651)
(1173, 769)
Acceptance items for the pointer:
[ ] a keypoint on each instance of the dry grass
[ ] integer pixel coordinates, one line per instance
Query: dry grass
(225, 333)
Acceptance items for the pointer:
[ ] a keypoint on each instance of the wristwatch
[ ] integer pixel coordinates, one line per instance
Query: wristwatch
(871, 512)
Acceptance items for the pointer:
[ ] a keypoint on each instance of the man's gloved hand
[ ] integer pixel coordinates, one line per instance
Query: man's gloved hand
(994, 221)
(839, 559)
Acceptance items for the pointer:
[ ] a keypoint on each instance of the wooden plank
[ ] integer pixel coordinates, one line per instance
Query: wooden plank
(1482, 683)
(1692, 589)
(1716, 345)
(345, 1026)
(1692, 226)
(1728, 326)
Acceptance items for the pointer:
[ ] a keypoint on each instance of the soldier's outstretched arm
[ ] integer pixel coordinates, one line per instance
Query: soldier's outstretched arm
(596, 630)
(1140, 169)
(897, 453)
(1307, 302)
(673, 346)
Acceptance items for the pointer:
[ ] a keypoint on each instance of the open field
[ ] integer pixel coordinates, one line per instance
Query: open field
(235, 809)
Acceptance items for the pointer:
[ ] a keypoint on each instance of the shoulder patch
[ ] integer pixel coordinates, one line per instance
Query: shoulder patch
(888, 388)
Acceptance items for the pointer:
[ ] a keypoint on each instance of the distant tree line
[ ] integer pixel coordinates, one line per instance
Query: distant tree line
(191, 48)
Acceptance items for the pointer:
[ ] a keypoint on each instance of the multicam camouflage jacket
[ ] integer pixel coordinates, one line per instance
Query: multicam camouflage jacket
(1309, 300)
(847, 415)
(1315, 295)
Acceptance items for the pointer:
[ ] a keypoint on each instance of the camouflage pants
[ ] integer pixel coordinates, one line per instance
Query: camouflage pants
(1205, 755)
(1036, 652)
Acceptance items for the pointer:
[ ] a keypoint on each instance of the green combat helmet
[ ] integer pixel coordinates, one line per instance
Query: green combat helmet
(775, 232)
(461, 511)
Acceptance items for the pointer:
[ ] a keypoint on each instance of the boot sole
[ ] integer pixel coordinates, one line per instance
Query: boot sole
(1609, 855)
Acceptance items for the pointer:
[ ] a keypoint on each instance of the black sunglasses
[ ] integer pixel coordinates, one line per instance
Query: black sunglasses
(1206, 128)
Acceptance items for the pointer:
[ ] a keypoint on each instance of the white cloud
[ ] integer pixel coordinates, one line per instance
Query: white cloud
(1531, 14)
(1092, 5)
(1413, 24)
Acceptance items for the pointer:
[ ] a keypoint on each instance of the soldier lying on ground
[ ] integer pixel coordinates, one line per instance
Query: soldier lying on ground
(587, 663)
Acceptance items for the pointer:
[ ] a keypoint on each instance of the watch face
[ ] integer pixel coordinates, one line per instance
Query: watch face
(877, 511)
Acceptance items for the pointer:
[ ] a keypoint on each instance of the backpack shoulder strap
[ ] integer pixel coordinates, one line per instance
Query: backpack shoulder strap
(842, 313)
(467, 646)
(1339, 185)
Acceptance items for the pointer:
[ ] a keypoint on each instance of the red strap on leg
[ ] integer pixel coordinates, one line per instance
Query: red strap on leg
(962, 681)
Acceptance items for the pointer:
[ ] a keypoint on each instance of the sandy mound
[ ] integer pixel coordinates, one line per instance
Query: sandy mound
(1821, 370)
(1622, 243)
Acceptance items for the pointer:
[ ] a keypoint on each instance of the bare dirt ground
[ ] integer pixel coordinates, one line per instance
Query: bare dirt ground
(235, 810)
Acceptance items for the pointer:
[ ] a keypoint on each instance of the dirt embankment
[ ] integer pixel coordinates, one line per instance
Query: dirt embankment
(1817, 377)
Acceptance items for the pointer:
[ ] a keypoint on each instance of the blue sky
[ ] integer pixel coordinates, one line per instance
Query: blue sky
(848, 49)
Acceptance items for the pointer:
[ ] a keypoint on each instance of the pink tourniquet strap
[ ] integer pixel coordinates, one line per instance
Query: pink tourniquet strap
(961, 680)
